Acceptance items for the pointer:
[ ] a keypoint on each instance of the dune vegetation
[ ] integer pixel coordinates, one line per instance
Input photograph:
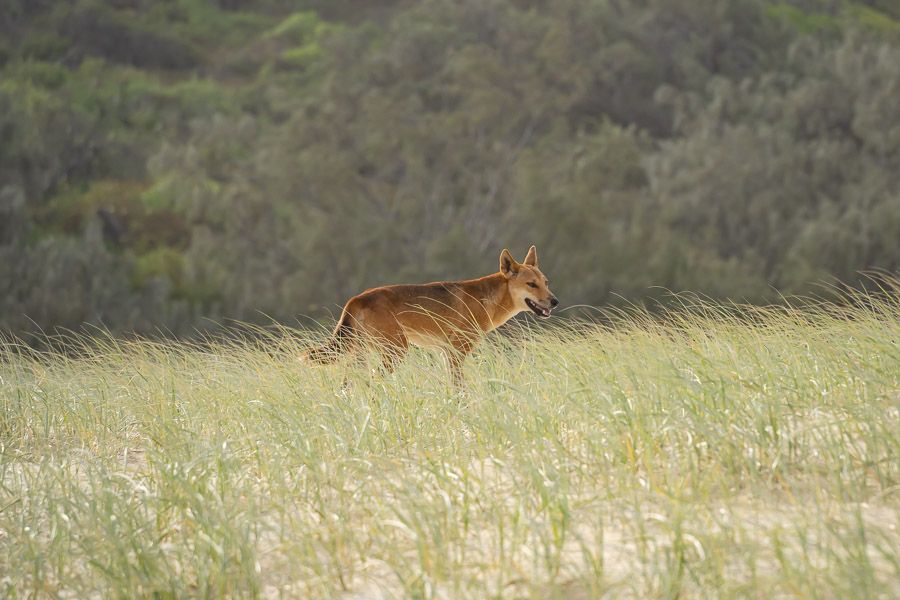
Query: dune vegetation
(705, 451)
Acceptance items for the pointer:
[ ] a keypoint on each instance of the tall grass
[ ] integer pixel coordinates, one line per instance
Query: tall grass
(713, 452)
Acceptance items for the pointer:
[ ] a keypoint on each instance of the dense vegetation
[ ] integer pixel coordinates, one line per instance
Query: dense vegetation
(721, 453)
(166, 161)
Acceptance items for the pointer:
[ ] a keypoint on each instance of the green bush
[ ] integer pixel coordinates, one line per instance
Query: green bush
(291, 154)
(98, 31)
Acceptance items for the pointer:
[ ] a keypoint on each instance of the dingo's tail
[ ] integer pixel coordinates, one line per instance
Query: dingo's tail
(339, 343)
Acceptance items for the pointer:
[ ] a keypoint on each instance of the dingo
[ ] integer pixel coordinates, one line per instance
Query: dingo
(450, 315)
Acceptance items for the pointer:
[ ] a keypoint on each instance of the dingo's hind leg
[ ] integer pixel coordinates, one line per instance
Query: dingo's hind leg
(391, 357)
(393, 347)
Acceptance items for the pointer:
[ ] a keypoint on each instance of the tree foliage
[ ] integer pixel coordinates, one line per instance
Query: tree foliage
(162, 163)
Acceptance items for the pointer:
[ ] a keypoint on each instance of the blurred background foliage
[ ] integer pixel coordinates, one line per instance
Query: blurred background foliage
(168, 162)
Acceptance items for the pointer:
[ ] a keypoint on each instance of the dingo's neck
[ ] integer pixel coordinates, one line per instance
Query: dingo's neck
(497, 301)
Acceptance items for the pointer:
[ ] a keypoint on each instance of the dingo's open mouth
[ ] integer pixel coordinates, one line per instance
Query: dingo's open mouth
(537, 309)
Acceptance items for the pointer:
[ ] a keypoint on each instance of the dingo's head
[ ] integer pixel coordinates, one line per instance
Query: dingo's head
(527, 285)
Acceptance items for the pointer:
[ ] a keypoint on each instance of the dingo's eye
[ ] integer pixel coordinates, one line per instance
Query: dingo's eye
(532, 284)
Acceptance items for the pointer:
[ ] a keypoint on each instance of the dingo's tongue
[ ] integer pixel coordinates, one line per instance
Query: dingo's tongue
(537, 309)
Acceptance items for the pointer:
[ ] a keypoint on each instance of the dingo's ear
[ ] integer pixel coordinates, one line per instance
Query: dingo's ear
(531, 258)
(508, 265)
